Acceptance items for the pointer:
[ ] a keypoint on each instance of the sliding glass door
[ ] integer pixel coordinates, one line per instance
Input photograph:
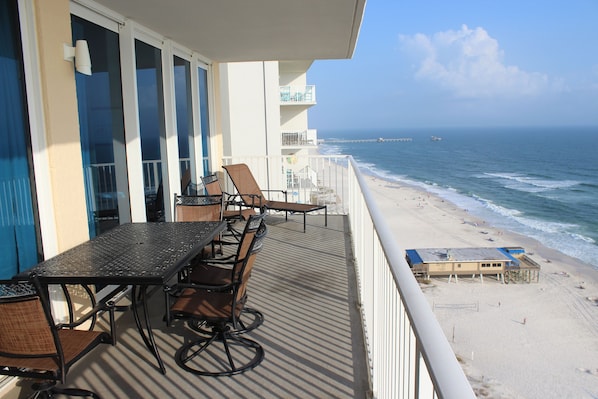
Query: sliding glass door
(99, 98)
(150, 97)
(184, 118)
(204, 116)
(171, 109)
(20, 247)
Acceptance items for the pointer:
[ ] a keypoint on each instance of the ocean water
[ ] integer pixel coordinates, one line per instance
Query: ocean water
(540, 182)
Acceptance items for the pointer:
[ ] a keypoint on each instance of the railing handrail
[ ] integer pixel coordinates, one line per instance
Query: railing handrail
(409, 355)
(428, 365)
(447, 375)
(305, 87)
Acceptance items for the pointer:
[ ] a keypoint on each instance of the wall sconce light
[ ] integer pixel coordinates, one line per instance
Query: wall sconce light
(79, 54)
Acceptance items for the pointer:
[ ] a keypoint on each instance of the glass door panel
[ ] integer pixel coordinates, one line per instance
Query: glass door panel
(184, 113)
(19, 236)
(204, 116)
(150, 95)
(99, 98)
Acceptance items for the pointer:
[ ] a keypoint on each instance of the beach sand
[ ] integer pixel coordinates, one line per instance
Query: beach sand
(533, 341)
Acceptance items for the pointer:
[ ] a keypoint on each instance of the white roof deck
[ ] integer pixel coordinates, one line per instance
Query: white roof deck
(436, 255)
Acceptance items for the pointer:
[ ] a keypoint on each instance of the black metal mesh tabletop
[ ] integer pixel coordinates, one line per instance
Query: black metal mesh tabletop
(134, 253)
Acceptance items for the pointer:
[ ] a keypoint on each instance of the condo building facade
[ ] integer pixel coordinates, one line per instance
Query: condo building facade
(105, 105)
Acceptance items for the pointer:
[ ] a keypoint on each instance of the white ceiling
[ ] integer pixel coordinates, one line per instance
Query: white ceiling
(252, 30)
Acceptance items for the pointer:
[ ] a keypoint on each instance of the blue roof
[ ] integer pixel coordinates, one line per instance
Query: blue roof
(507, 253)
(414, 257)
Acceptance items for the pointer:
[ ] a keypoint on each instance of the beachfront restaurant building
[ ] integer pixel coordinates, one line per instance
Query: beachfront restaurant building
(106, 106)
(454, 262)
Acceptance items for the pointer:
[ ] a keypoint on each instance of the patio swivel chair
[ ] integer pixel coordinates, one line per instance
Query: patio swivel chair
(220, 271)
(232, 210)
(33, 346)
(199, 208)
(253, 197)
(218, 308)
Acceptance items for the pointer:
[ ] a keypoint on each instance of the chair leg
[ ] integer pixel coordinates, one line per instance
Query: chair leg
(75, 392)
(200, 355)
(48, 389)
(250, 320)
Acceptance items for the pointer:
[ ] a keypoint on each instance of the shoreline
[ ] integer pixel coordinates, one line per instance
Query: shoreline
(536, 340)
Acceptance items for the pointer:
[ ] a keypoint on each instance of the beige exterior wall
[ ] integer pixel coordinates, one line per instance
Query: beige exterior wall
(293, 117)
(61, 123)
(293, 121)
(272, 107)
(250, 110)
(465, 267)
(216, 150)
(446, 268)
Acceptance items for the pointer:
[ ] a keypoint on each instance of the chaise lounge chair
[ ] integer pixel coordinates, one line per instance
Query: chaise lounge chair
(253, 197)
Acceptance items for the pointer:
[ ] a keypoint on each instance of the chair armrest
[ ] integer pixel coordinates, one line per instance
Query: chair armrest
(232, 200)
(176, 289)
(253, 199)
(285, 192)
(100, 307)
(228, 197)
(276, 191)
(200, 287)
(227, 260)
(106, 304)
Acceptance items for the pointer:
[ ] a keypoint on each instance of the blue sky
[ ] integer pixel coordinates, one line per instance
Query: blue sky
(461, 63)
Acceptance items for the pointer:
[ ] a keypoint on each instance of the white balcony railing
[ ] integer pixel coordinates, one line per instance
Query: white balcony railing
(305, 138)
(300, 95)
(408, 354)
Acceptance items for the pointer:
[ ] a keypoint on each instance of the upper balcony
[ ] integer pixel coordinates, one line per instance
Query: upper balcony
(298, 95)
(305, 139)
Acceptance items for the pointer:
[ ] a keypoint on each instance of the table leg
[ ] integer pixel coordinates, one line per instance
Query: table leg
(148, 337)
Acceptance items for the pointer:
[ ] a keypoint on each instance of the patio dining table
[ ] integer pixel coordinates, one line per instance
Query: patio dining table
(141, 255)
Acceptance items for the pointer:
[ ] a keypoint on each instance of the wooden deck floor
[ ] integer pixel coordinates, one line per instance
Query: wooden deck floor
(305, 287)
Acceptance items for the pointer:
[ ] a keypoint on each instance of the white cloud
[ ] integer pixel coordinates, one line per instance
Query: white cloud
(469, 63)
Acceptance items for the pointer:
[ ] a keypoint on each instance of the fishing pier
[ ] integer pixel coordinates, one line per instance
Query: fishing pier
(378, 140)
